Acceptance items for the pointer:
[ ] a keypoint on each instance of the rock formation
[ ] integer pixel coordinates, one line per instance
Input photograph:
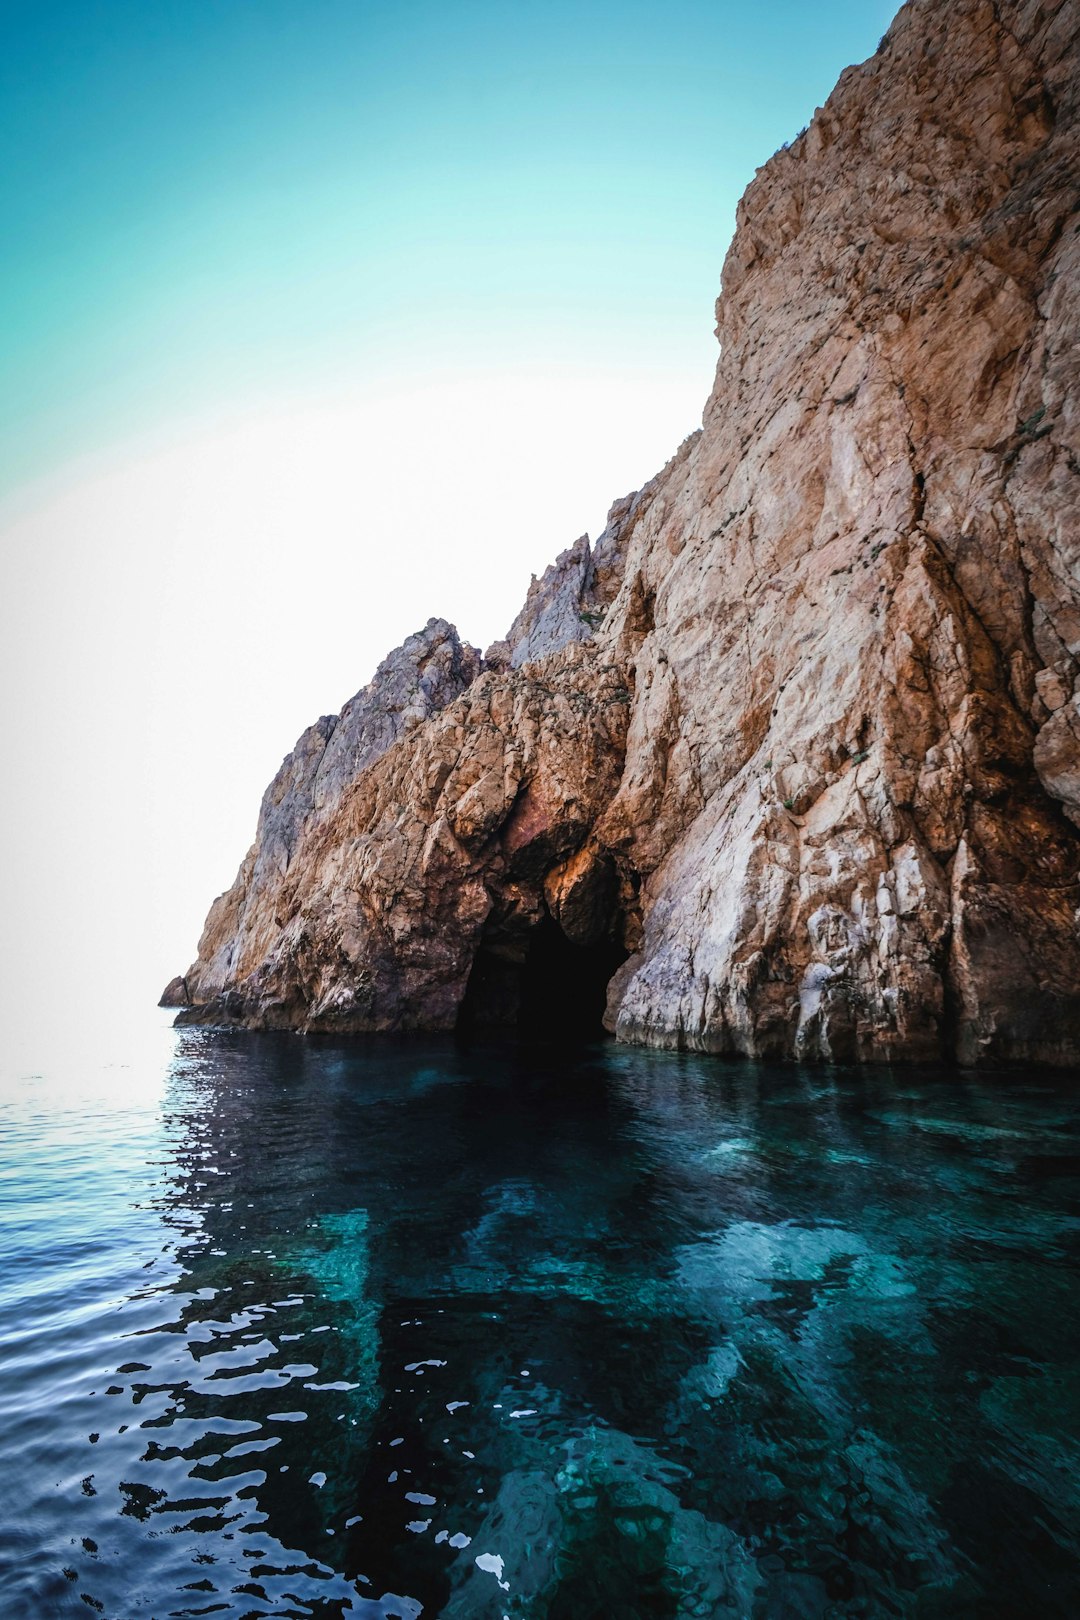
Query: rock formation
(791, 757)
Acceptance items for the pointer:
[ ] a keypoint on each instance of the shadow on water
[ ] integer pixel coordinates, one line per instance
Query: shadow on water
(508, 1328)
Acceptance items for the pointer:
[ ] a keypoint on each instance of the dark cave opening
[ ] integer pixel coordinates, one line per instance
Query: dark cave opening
(557, 993)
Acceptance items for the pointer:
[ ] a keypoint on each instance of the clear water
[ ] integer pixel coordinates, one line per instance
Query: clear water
(379, 1330)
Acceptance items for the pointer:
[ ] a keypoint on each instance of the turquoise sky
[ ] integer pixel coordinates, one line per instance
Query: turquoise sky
(210, 200)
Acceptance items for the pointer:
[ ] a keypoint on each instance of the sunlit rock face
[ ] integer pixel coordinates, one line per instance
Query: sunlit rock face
(800, 735)
(415, 681)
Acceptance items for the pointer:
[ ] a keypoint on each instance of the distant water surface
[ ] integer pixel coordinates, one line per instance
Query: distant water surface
(396, 1330)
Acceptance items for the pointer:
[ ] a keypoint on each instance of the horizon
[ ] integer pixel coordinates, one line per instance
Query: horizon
(318, 326)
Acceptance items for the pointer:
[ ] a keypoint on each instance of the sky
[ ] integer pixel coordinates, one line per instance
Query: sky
(321, 317)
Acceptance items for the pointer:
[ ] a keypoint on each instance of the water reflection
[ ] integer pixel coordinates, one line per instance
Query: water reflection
(411, 1329)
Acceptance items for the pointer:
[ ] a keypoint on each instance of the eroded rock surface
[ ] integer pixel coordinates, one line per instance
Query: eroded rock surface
(571, 598)
(416, 680)
(800, 736)
(376, 921)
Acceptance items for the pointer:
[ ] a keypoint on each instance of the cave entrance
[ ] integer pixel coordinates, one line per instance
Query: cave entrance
(557, 992)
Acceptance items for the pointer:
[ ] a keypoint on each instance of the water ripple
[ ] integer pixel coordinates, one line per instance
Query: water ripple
(402, 1330)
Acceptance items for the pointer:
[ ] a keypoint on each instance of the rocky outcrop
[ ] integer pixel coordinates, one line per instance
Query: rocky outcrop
(417, 680)
(376, 921)
(175, 993)
(570, 599)
(799, 739)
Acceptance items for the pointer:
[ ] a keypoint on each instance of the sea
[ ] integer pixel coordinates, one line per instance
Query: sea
(305, 1327)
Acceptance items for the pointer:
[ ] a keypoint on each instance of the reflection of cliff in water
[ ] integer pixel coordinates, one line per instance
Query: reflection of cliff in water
(621, 1332)
(396, 1348)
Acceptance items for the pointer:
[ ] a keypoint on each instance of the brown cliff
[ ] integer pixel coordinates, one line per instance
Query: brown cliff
(797, 743)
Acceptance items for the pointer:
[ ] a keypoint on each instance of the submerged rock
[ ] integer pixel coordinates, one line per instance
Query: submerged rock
(799, 737)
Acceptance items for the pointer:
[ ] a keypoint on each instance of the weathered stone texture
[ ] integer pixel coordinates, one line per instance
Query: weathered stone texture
(377, 920)
(803, 728)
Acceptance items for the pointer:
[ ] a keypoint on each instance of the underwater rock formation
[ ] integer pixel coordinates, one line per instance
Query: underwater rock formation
(789, 762)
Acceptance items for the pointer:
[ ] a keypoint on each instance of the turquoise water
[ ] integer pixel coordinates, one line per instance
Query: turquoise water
(402, 1330)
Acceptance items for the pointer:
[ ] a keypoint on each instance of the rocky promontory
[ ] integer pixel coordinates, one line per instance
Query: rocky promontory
(788, 762)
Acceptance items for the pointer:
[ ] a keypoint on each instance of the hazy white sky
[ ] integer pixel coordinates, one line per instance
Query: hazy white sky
(187, 605)
(323, 319)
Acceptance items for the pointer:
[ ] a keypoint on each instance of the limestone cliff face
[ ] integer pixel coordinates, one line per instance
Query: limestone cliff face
(800, 735)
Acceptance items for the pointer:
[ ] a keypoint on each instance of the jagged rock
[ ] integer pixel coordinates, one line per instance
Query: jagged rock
(175, 993)
(799, 735)
(569, 600)
(378, 919)
(554, 613)
(415, 681)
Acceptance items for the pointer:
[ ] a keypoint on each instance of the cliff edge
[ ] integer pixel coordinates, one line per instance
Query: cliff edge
(788, 763)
